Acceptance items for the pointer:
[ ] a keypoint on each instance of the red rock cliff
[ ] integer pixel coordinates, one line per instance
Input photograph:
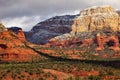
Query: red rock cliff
(88, 25)
(12, 47)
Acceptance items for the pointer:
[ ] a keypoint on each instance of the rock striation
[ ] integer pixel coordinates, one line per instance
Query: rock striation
(112, 41)
(45, 30)
(95, 25)
(96, 18)
(13, 48)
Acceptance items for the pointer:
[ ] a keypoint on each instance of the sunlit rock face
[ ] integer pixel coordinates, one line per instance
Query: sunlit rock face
(12, 46)
(89, 20)
(2, 27)
(96, 18)
(102, 20)
(112, 42)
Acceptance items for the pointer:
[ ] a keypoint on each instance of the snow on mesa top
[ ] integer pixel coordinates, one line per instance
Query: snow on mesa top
(92, 19)
(95, 18)
(97, 9)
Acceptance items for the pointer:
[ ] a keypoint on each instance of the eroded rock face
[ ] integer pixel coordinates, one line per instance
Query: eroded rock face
(71, 43)
(96, 18)
(111, 41)
(45, 30)
(21, 35)
(12, 47)
(95, 25)
(2, 27)
(101, 18)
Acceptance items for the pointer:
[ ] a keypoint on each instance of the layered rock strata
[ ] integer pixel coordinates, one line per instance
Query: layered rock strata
(98, 25)
(45, 30)
(96, 18)
(13, 48)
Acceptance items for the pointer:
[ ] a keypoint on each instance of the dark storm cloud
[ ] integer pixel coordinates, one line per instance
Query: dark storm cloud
(18, 9)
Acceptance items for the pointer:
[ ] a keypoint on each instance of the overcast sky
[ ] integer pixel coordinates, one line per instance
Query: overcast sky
(27, 13)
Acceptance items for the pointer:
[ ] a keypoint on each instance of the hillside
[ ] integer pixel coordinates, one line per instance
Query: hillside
(95, 29)
(12, 46)
(45, 30)
(42, 32)
(75, 47)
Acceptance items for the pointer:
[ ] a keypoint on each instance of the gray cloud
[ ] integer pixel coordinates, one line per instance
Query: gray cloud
(17, 9)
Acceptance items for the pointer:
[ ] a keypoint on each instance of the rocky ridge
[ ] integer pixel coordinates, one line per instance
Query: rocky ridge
(99, 25)
(14, 29)
(93, 19)
(13, 48)
(96, 18)
(45, 30)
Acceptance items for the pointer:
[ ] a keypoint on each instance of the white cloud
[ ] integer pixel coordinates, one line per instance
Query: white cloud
(26, 23)
(27, 13)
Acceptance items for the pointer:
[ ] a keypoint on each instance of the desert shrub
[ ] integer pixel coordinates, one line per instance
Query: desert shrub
(42, 78)
(94, 78)
(70, 78)
(77, 78)
(13, 74)
(47, 75)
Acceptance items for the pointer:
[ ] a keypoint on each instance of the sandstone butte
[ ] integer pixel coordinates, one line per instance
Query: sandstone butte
(12, 47)
(98, 24)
